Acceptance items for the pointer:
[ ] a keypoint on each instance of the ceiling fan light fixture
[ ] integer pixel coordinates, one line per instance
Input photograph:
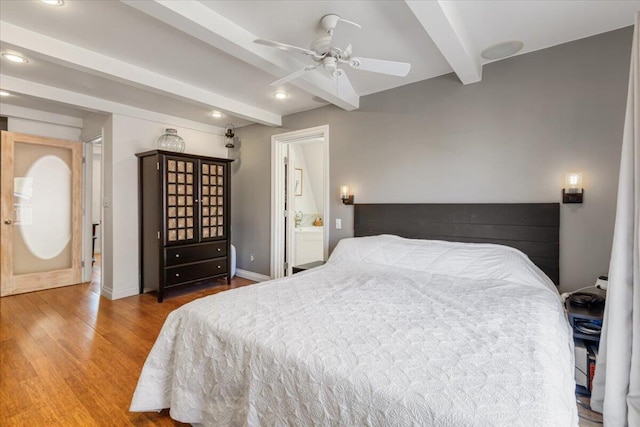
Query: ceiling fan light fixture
(330, 64)
(336, 73)
(280, 95)
(15, 58)
(502, 50)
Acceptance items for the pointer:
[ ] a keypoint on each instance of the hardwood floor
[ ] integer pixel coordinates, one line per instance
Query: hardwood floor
(588, 418)
(96, 273)
(71, 358)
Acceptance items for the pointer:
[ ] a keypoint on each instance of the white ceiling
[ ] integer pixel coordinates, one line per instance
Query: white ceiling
(187, 58)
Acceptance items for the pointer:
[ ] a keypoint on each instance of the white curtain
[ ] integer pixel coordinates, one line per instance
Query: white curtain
(616, 386)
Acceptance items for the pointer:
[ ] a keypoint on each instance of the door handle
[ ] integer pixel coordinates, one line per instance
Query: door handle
(8, 221)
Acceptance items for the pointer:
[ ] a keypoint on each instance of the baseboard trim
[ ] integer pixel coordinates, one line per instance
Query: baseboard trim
(106, 292)
(123, 293)
(256, 277)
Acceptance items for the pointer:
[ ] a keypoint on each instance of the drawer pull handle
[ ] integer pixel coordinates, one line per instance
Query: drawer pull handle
(219, 267)
(177, 255)
(219, 249)
(177, 274)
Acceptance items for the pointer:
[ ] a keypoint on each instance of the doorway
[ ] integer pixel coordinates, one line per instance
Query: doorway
(92, 224)
(41, 210)
(299, 199)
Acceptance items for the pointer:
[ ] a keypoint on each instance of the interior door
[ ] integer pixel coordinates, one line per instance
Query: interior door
(41, 213)
(289, 197)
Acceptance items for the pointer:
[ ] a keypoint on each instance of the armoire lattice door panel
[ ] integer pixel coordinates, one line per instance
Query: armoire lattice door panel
(181, 220)
(213, 205)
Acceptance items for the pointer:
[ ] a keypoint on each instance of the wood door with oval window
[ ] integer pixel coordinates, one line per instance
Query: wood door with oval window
(41, 213)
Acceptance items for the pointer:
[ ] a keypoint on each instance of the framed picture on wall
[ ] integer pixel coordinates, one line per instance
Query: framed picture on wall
(298, 182)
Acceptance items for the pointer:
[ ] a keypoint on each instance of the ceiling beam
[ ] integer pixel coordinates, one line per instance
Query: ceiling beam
(203, 23)
(95, 104)
(443, 23)
(113, 69)
(40, 116)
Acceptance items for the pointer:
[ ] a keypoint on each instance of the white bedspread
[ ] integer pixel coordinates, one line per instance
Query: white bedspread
(390, 332)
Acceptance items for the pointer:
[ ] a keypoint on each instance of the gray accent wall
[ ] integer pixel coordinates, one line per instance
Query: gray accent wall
(509, 138)
(251, 197)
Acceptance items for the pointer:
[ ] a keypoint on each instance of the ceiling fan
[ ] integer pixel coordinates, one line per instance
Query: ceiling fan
(333, 50)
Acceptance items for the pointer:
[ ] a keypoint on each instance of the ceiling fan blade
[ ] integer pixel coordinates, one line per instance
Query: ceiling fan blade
(293, 75)
(344, 33)
(343, 85)
(393, 68)
(347, 52)
(285, 47)
(346, 21)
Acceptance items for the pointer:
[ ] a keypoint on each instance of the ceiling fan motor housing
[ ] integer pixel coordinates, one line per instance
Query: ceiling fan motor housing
(321, 45)
(329, 22)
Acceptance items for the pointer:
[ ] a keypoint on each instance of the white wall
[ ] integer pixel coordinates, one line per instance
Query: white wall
(39, 128)
(107, 212)
(92, 126)
(305, 203)
(126, 137)
(96, 190)
(314, 154)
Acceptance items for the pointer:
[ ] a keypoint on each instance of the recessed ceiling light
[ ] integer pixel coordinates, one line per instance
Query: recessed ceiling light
(14, 58)
(4, 93)
(53, 2)
(502, 50)
(281, 95)
(216, 114)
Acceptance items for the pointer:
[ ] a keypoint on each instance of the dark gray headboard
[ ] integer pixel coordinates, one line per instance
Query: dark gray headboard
(534, 228)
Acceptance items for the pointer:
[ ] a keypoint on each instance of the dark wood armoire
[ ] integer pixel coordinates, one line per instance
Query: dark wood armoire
(184, 209)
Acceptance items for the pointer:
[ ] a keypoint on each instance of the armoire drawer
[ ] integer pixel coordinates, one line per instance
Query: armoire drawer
(178, 255)
(195, 271)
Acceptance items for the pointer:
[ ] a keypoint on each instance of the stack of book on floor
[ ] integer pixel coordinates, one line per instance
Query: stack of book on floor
(586, 353)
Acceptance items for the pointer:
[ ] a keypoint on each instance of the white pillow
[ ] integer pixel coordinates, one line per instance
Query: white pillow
(469, 260)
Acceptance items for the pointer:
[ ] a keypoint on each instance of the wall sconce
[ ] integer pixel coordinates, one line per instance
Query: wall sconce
(573, 191)
(347, 198)
(228, 135)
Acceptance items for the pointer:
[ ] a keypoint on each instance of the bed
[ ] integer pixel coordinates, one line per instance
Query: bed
(390, 331)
